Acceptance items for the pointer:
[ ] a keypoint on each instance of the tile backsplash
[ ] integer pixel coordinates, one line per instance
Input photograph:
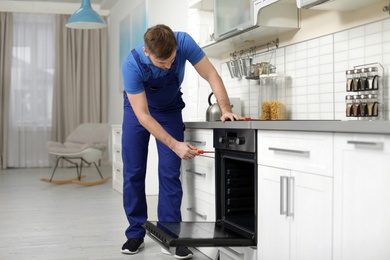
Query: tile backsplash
(316, 68)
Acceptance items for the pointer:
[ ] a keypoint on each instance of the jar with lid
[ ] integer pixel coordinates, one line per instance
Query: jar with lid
(348, 105)
(363, 107)
(372, 105)
(349, 80)
(372, 78)
(356, 106)
(272, 97)
(356, 80)
(363, 79)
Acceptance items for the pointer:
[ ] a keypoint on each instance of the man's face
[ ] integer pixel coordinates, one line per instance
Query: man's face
(164, 64)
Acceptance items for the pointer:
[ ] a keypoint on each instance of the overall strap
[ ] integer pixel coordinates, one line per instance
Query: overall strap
(147, 71)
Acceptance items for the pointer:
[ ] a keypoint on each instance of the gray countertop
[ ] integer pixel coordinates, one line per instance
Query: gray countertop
(335, 126)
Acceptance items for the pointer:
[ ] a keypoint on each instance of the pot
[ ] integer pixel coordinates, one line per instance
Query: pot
(213, 112)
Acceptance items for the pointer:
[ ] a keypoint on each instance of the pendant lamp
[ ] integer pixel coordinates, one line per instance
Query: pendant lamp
(85, 18)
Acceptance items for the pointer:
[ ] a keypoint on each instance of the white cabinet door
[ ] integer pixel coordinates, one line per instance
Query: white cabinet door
(295, 215)
(273, 228)
(362, 196)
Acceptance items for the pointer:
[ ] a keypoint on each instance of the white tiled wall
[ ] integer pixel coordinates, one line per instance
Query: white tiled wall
(317, 70)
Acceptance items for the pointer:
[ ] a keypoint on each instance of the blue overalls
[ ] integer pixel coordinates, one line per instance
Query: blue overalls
(165, 105)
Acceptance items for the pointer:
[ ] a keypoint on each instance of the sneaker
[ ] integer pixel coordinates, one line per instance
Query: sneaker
(132, 246)
(181, 252)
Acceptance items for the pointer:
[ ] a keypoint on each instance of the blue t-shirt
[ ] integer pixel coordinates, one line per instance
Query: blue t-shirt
(133, 76)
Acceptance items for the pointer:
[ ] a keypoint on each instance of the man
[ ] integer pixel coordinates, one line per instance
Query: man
(152, 75)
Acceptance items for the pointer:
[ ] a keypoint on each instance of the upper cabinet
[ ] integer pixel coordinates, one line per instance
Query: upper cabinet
(246, 23)
(337, 5)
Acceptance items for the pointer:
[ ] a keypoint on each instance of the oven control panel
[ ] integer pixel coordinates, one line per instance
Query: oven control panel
(235, 139)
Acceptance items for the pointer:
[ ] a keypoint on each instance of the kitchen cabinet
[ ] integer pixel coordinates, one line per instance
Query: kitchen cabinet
(198, 180)
(295, 195)
(117, 164)
(361, 197)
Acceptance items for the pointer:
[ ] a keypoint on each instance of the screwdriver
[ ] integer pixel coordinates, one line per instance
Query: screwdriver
(202, 151)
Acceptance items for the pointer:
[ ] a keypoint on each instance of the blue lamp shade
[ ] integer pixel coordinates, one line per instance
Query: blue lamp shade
(85, 18)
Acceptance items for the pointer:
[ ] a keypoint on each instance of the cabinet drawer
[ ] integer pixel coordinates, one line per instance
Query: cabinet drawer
(201, 139)
(303, 151)
(117, 153)
(199, 173)
(198, 206)
(116, 135)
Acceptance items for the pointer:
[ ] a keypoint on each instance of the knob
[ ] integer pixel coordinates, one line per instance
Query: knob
(240, 140)
(222, 139)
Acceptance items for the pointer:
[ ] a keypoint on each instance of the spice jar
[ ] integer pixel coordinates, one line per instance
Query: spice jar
(272, 97)
(372, 78)
(363, 79)
(356, 80)
(350, 81)
(348, 104)
(372, 105)
(363, 106)
(356, 106)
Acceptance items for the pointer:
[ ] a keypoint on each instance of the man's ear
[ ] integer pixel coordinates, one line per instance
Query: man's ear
(145, 51)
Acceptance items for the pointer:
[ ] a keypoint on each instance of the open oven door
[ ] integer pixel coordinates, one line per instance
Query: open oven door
(195, 234)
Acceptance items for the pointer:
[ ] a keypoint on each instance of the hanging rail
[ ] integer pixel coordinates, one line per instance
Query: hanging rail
(252, 50)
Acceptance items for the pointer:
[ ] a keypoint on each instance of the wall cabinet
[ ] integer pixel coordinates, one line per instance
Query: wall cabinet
(295, 196)
(361, 197)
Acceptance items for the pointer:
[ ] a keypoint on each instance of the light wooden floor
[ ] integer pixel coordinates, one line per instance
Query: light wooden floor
(44, 221)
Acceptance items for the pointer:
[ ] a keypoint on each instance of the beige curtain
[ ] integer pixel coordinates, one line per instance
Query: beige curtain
(80, 80)
(5, 81)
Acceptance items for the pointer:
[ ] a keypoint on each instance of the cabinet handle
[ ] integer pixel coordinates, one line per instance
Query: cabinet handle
(289, 151)
(290, 197)
(197, 213)
(378, 145)
(196, 142)
(196, 173)
(283, 180)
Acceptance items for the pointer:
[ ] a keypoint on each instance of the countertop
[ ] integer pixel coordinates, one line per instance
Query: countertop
(333, 126)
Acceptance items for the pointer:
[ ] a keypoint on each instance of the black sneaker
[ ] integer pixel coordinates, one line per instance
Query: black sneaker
(181, 252)
(132, 246)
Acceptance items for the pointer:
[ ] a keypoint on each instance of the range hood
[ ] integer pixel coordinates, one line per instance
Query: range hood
(336, 5)
(270, 19)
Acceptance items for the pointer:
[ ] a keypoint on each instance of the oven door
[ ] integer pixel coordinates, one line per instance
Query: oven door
(194, 234)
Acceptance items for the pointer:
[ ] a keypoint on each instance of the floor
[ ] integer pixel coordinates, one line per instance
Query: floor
(45, 221)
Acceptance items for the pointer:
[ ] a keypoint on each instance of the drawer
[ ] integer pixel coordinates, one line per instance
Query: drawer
(117, 153)
(199, 173)
(201, 139)
(117, 135)
(198, 206)
(310, 152)
(237, 253)
(117, 177)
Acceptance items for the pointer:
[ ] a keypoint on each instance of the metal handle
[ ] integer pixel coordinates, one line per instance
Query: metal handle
(197, 213)
(378, 145)
(196, 142)
(289, 151)
(283, 180)
(196, 173)
(290, 197)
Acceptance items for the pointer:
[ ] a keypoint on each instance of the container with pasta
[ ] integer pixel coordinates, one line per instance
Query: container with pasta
(272, 97)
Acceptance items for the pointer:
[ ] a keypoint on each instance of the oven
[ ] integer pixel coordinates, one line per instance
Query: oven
(236, 199)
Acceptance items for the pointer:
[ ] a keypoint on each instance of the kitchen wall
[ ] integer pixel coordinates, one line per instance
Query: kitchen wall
(315, 58)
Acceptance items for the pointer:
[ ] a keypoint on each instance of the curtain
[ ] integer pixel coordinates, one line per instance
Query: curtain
(81, 79)
(31, 90)
(5, 80)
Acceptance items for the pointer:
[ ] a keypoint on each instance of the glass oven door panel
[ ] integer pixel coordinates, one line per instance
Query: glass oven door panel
(194, 234)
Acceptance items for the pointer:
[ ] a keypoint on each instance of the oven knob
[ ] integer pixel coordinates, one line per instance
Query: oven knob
(222, 139)
(240, 140)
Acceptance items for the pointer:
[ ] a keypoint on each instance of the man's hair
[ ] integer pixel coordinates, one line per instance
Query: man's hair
(160, 41)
